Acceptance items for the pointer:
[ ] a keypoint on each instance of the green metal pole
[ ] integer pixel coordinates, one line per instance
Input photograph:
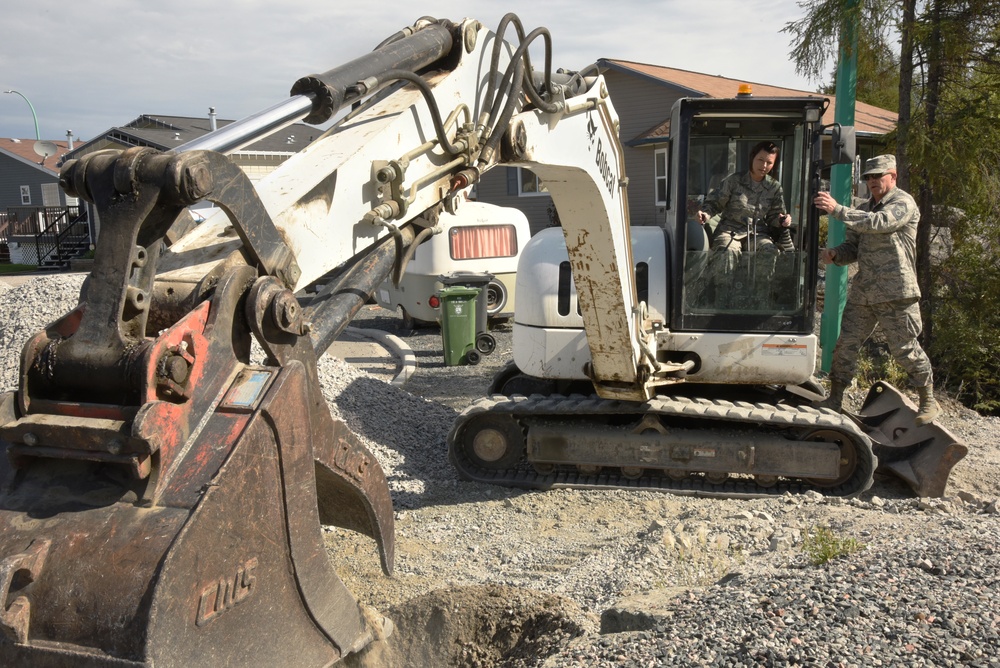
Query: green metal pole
(841, 186)
(38, 136)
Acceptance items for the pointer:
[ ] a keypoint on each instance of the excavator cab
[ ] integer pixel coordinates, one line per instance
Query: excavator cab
(753, 283)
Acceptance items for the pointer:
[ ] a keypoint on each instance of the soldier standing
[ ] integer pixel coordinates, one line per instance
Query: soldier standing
(881, 236)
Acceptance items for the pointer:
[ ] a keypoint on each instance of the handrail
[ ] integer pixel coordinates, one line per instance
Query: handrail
(52, 246)
(24, 218)
(49, 244)
(60, 222)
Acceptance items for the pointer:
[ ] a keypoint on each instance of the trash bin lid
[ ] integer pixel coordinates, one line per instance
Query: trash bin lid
(458, 291)
(468, 278)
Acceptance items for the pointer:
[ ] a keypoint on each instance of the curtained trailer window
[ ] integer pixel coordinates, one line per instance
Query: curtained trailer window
(479, 242)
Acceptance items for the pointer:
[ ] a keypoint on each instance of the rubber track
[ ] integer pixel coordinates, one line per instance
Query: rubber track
(726, 413)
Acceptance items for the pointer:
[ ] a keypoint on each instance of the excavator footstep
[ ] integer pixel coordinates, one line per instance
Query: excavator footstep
(921, 456)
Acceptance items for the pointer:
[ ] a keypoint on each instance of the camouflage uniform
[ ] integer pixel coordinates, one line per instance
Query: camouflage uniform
(748, 209)
(739, 199)
(882, 239)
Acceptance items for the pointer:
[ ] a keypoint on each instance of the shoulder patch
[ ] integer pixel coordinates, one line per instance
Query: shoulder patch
(899, 210)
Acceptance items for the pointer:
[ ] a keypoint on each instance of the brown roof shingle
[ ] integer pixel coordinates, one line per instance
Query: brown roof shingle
(25, 149)
(867, 118)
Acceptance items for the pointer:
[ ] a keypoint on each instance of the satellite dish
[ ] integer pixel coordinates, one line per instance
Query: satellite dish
(45, 149)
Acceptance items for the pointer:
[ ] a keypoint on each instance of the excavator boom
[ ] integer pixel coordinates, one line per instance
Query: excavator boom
(164, 488)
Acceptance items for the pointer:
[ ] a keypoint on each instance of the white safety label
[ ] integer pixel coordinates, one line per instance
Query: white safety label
(794, 349)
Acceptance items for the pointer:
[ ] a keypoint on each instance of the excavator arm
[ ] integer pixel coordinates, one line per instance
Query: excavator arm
(580, 161)
(163, 490)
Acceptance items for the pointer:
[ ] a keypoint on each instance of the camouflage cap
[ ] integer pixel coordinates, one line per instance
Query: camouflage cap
(880, 164)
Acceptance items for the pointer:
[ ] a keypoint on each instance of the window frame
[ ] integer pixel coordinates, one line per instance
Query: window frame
(542, 191)
(664, 178)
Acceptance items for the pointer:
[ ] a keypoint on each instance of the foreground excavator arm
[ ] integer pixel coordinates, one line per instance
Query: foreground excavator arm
(162, 494)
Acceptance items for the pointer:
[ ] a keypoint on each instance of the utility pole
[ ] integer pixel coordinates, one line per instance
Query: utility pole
(841, 186)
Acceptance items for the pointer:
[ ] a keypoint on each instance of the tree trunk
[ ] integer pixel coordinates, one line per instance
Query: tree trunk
(905, 94)
(935, 76)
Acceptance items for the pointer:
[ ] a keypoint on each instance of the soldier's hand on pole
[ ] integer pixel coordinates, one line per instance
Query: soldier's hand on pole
(824, 202)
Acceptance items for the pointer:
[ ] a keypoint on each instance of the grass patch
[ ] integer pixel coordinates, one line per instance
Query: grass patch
(821, 545)
(16, 268)
(876, 363)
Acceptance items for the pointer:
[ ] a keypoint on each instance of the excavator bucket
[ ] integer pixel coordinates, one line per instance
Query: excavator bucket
(921, 456)
(187, 533)
(161, 494)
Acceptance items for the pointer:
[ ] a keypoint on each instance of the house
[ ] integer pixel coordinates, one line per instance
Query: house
(643, 96)
(30, 196)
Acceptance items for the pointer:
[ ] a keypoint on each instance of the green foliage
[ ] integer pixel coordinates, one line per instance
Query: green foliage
(16, 268)
(816, 37)
(876, 363)
(821, 545)
(966, 346)
(879, 84)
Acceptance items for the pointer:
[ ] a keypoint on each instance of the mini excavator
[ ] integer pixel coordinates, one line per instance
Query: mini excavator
(164, 490)
(645, 358)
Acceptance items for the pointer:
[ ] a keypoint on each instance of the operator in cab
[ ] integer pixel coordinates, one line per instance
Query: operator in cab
(751, 208)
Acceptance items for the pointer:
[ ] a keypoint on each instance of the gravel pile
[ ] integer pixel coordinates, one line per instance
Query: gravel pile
(488, 576)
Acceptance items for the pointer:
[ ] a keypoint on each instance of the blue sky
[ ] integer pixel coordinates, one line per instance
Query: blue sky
(89, 65)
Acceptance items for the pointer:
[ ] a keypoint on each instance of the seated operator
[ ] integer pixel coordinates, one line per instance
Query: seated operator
(752, 209)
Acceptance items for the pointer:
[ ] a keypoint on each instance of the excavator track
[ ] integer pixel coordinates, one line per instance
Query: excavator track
(688, 446)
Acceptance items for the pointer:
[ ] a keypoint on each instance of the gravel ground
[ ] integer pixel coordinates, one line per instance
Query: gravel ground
(488, 576)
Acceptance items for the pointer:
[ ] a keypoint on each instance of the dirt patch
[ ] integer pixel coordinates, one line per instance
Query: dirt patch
(478, 626)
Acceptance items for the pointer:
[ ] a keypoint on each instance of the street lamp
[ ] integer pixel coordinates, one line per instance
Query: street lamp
(38, 136)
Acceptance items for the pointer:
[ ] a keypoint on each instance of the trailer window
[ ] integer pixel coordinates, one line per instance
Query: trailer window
(479, 242)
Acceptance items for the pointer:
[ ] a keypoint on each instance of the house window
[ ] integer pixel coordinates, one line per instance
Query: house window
(50, 194)
(528, 184)
(661, 177)
(25, 195)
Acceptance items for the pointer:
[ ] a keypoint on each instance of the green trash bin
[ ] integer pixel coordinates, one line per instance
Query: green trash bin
(458, 324)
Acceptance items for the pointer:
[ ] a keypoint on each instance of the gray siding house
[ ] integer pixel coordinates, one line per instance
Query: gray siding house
(643, 96)
(30, 196)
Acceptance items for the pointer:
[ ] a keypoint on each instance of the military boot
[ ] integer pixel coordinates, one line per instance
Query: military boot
(929, 408)
(835, 400)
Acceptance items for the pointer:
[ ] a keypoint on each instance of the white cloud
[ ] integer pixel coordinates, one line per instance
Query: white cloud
(91, 65)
